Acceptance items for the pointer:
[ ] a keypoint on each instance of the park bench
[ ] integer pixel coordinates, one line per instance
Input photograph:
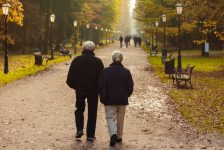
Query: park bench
(63, 52)
(100, 43)
(39, 59)
(153, 50)
(184, 76)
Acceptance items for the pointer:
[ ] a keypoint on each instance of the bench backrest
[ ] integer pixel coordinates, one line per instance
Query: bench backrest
(189, 69)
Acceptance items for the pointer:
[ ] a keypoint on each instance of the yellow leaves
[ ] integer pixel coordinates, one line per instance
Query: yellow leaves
(220, 35)
(199, 42)
(15, 12)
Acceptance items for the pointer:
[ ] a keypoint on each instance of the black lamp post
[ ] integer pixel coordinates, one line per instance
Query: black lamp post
(157, 24)
(102, 34)
(152, 35)
(87, 32)
(75, 23)
(164, 30)
(81, 36)
(179, 8)
(142, 32)
(96, 36)
(52, 19)
(5, 11)
(106, 35)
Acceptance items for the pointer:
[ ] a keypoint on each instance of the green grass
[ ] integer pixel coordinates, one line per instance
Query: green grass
(202, 106)
(204, 64)
(23, 65)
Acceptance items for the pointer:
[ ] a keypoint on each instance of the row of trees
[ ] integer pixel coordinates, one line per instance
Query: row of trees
(29, 23)
(202, 20)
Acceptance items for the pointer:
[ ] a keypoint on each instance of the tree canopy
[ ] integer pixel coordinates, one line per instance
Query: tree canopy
(202, 20)
(30, 25)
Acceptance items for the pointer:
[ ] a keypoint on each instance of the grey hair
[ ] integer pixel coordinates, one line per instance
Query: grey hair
(89, 45)
(117, 56)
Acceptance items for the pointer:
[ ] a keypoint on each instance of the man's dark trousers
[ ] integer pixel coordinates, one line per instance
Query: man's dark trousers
(92, 100)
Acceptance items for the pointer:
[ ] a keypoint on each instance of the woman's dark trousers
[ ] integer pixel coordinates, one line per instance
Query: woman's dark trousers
(92, 100)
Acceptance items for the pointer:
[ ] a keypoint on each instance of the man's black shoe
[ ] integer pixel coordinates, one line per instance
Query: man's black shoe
(79, 134)
(119, 140)
(113, 139)
(91, 139)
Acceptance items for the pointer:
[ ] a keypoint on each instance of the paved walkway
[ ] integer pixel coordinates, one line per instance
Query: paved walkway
(37, 113)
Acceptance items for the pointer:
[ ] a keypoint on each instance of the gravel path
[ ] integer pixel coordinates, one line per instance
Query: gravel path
(37, 113)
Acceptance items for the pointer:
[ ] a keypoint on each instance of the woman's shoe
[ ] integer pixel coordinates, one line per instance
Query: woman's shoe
(91, 139)
(113, 139)
(119, 140)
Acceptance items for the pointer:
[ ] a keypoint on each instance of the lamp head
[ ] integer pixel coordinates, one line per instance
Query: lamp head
(179, 8)
(5, 8)
(52, 17)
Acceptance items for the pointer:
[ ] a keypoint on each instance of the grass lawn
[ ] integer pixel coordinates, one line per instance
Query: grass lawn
(202, 106)
(23, 65)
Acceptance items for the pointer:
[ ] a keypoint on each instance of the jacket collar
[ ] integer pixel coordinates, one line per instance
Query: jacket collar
(87, 52)
(116, 64)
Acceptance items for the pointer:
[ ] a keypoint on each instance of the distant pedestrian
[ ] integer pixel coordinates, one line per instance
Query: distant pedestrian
(139, 41)
(83, 77)
(121, 41)
(117, 81)
(127, 40)
(135, 41)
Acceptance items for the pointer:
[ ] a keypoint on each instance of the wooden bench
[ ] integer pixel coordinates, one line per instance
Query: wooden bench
(184, 76)
(153, 50)
(65, 53)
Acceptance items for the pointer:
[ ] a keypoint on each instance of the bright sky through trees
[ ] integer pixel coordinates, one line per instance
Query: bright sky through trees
(132, 6)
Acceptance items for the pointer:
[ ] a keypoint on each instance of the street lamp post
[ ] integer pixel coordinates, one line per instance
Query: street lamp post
(87, 32)
(75, 25)
(52, 19)
(142, 32)
(157, 24)
(96, 36)
(109, 34)
(179, 8)
(106, 35)
(102, 35)
(152, 35)
(81, 36)
(5, 11)
(164, 31)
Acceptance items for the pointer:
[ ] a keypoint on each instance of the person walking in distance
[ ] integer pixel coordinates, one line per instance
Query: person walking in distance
(139, 41)
(121, 41)
(135, 41)
(117, 84)
(83, 76)
(126, 40)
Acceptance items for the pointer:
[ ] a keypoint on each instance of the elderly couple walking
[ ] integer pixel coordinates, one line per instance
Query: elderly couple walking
(88, 77)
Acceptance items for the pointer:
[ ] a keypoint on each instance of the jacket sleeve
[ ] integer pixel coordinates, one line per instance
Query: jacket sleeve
(101, 81)
(71, 76)
(101, 66)
(130, 84)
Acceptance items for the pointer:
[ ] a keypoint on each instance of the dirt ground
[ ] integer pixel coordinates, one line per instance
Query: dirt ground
(37, 113)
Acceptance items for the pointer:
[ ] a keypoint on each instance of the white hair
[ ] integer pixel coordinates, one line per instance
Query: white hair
(89, 45)
(117, 56)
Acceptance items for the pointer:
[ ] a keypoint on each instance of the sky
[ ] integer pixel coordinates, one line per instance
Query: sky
(132, 6)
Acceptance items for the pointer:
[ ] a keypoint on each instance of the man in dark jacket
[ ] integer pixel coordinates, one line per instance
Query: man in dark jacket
(118, 84)
(121, 41)
(83, 77)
